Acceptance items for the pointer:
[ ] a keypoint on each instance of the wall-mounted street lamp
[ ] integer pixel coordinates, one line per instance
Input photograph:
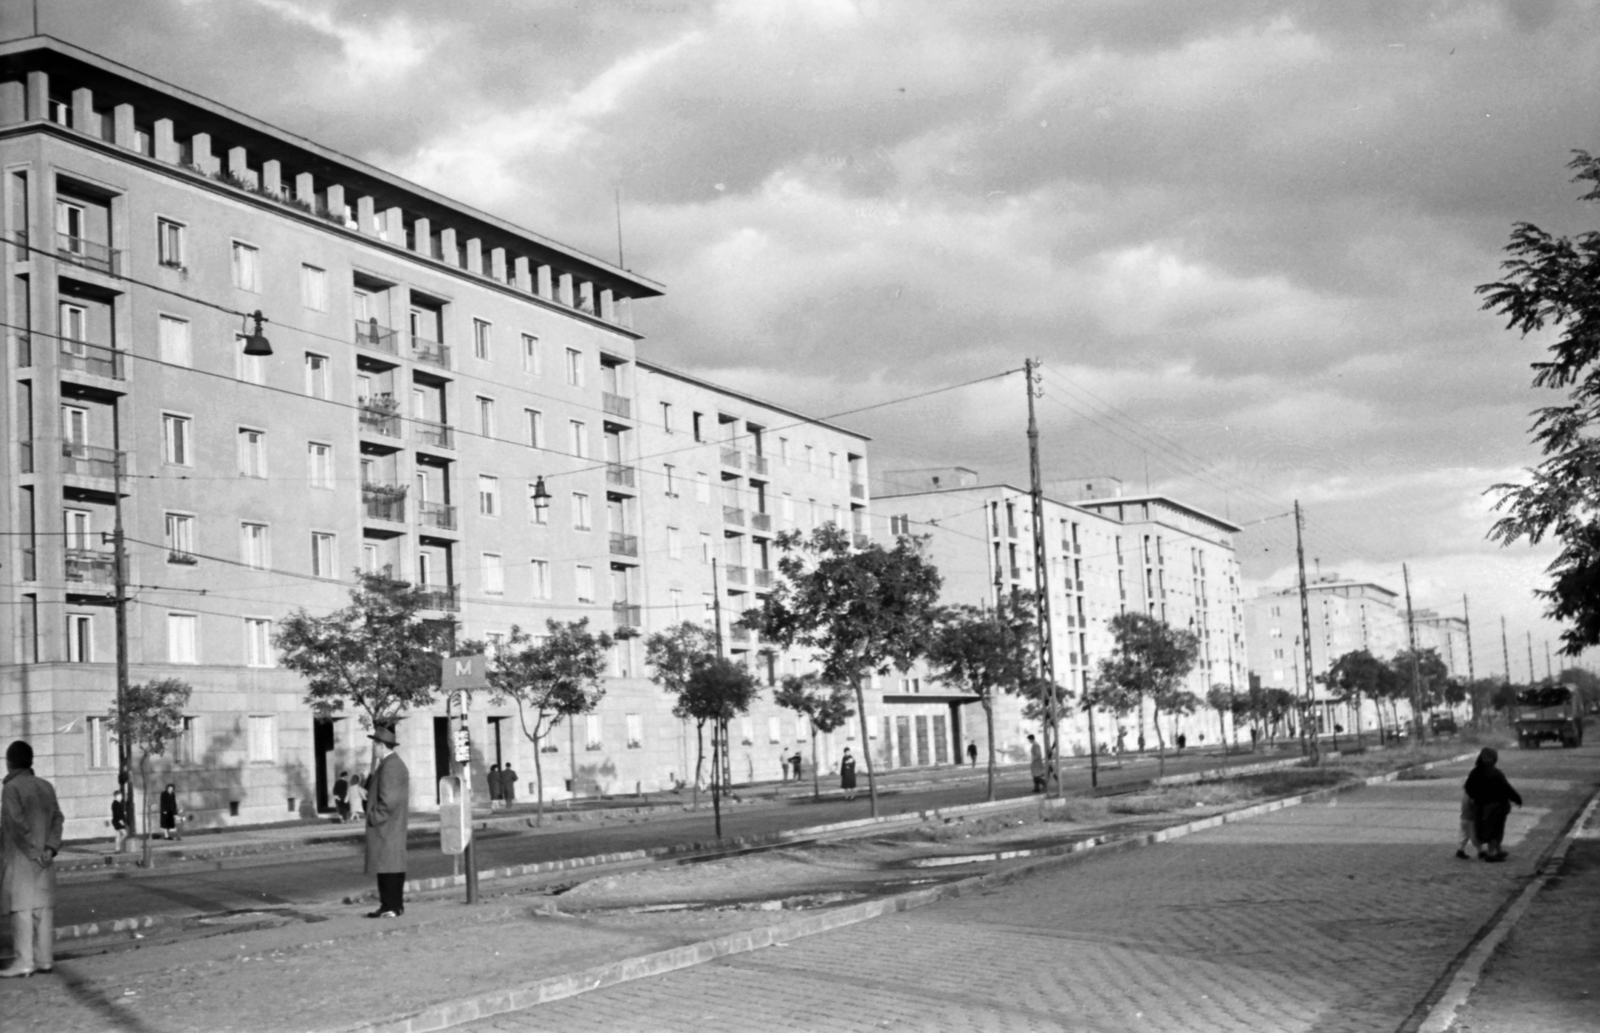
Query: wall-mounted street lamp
(541, 497)
(256, 343)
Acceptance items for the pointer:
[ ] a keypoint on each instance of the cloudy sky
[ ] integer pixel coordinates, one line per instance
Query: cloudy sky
(1241, 235)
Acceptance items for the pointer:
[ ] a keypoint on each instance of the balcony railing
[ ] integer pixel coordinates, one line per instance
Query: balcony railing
(737, 575)
(88, 253)
(25, 456)
(88, 460)
(436, 435)
(733, 457)
(739, 634)
(178, 556)
(21, 251)
(620, 475)
(1016, 573)
(447, 598)
(30, 565)
(431, 352)
(372, 334)
(761, 521)
(762, 578)
(436, 514)
(626, 614)
(378, 416)
(90, 565)
(733, 515)
(617, 405)
(383, 502)
(861, 541)
(624, 544)
(858, 490)
(757, 464)
(94, 359)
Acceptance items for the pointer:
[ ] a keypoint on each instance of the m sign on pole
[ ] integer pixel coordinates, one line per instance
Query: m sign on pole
(458, 676)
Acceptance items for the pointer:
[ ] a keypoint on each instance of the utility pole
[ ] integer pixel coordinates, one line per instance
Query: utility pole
(716, 726)
(1041, 582)
(1416, 672)
(1308, 733)
(1505, 650)
(1467, 616)
(1549, 675)
(119, 574)
(1533, 675)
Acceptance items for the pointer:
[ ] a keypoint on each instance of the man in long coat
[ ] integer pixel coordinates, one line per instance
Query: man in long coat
(30, 838)
(388, 813)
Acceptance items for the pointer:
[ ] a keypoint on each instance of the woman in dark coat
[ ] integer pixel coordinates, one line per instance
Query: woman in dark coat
(169, 811)
(1492, 797)
(847, 774)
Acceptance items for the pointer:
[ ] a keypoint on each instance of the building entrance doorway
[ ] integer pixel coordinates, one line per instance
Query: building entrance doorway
(441, 752)
(323, 739)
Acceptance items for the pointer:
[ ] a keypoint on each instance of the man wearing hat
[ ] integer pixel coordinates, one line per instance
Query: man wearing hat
(30, 837)
(388, 812)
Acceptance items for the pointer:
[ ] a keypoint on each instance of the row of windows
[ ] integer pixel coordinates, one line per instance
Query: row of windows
(786, 456)
(261, 742)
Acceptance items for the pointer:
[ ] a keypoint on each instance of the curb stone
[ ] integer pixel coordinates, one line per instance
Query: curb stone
(554, 988)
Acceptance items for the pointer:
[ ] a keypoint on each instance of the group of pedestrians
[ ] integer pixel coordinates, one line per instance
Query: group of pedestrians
(1486, 799)
(502, 786)
(349, 796)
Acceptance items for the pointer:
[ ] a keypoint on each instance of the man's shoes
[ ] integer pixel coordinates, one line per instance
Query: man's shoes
(384, 912)
(15, 973)
(1463, 855)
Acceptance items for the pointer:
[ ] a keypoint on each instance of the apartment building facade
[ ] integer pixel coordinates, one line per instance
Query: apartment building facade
(433, 369)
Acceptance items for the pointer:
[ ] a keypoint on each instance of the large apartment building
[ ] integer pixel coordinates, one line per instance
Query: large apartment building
(1106, 554)
(432, 368)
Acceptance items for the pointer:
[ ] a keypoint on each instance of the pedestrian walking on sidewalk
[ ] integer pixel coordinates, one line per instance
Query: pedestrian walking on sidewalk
(119, 820)
(358, 797)
(388, 814)
(1036, 764)
(972, 753)
(1469, 830)
(341, 796)
(169, 812)
(30, 838)
(508, 785)
(495, 799)
(847, 774)
(1492, 797)
(796, 761)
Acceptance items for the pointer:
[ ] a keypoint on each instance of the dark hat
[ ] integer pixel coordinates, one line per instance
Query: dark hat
(384, 734)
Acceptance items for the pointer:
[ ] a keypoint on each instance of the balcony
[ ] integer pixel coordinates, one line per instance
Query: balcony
(619, 475)
(184, 559)
(733, 515)
(761, 578)
(739, 634)
(858, 490)
(860, 540)
(757, 464)
(94, 359)
(91, 565)
(88, 460)
(1016, 573)
(733, 457)
(431, 352)
(438, 515)
(372, 334)
(433, 435)
(25, 456)
(102, 258)
(21, 252)
(379, 416)
(624, 544)
(1011, 530)
(30, 565)
(626, 615)
(760, 521)
(617, 405)
(384, 502)
(447, 598)
(737, 575)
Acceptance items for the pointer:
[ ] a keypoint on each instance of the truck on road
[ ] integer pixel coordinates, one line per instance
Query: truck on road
(1552, 712)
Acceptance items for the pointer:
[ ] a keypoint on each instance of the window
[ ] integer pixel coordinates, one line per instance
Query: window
(674, 544)
(533, 419)
(74, 426)
(324, 562)
(169, 243)
(253, 545)
(313, 288)
(316, 375)
(252, 453)
(80, 638)
(370, 559)
(672, 484)
(175, 348)
(574, 367)
(591, 731)
(74, 325)
(541, 578)
(319, 464)
(702, 487)
(530, 355)
(76, 525)
(262, 748)
(705, 547)
(102, 751)
(774, 734)
(488, 495)
(69, 216)
(833, 465)
(175, 439)
(899, 525)
(252, 369)
(783, 451)
(246, 274)
(675, 596)
(666, 417)
(182, 634)
(811, 459)
(580, 438)
(494, 574)
(535, 514)
(696, 421)
(635, 730)
(585, 583)
(180, 538)
(187, 747)
(486, 416)
(582, 519)
(480, 339)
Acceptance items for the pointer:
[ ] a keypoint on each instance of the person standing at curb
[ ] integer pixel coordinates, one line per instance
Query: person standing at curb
(388, 814)
(972, 752)
(847, 774)
(341, 796)
(508, 785)
(119, 820)
(1492, 797)
(358, 797)
(30, 837)
(169, 812)
(495, 794)
(1036, 764)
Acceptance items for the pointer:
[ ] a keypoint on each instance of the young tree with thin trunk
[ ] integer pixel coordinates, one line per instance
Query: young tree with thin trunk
(672, 657)
(718, 691)
(1354, 676)
(1149, 660)
(1220, 698)
(150, 718)
(551, 680)
(858, 609)
(826, 707)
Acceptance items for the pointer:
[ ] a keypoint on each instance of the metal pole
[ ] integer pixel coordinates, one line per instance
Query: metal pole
(1308, 734)
(1467, 616)
(119, 567)
(1505, 650)
(716, 723)
(1533, 675)
(463, 770)
(1041, 583)
(1416, 671)
(1549, 675)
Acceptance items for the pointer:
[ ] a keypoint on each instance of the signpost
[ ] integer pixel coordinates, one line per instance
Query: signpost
(459, 676)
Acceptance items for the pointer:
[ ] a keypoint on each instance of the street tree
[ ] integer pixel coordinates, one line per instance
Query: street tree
(1354, 676)
(551, 679)
(718, 691)
(1422, 676)
(672, 656)
(1549, 283)
(825, 706)
(151, 717)
(1148, 662)
(379, 655)
(1220, 697)
(858, 610)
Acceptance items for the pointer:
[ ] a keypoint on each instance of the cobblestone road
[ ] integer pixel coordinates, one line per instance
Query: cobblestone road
(1328, 917)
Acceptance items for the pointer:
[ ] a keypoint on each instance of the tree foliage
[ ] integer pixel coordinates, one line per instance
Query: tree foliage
(825, 706)
(1551, 281)
(672, 657)
(718, 691)
(150, 718)
(1149, 660)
